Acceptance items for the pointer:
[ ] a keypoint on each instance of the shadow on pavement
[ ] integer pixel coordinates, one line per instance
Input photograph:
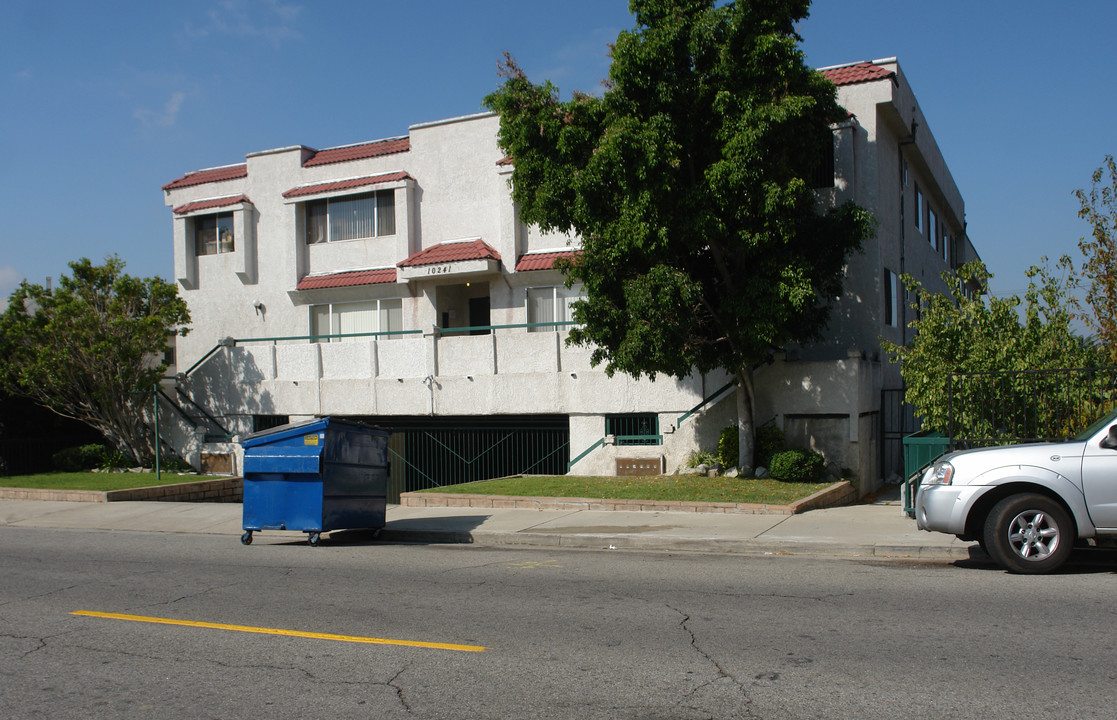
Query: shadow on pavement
(436, 530)
(1082, 561)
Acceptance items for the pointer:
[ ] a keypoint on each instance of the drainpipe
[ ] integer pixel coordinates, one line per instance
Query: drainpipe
(429, 382)
(903, 228)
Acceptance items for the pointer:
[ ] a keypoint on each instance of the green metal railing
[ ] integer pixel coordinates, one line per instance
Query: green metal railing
(313, 338)
(716, 395)
(471, 329)
(486, 329)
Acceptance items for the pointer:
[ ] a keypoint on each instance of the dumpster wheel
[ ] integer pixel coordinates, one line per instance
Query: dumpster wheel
(312, 539)
(246, 539)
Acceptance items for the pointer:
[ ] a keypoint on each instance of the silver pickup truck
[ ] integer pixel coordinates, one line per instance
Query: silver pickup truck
(1027, 504)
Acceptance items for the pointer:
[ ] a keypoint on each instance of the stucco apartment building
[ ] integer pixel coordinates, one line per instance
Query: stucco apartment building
(394, 282)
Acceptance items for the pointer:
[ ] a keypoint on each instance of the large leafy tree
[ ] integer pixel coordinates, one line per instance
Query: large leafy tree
(975, 367)
(703, 245)
(1099, 269)
(90, 349)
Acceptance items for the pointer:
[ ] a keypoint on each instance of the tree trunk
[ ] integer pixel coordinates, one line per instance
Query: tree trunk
(746, 430)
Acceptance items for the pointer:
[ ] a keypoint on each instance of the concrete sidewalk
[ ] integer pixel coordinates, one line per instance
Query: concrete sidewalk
(878, 529)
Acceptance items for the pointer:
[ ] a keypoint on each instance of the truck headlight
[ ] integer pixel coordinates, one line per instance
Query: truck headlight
(941, 473)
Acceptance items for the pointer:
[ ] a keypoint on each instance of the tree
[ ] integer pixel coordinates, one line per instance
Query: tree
(703, 246)
(967, 332)
(1099, 208)
(89, 349)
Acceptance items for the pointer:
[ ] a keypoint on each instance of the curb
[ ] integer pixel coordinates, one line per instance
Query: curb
(840, 493)
(720, 546)
(227, 490)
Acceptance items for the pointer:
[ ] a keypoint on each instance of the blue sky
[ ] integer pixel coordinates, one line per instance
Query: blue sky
(103, 103)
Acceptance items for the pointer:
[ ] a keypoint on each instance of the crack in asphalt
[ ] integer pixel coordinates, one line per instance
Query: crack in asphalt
(390, 683)
(189, 596)
(40, 595)
(42, 643)
(399, 690)
(722, 673)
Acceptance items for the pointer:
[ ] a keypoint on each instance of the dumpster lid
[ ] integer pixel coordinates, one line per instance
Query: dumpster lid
(304, 427)
(282, 432)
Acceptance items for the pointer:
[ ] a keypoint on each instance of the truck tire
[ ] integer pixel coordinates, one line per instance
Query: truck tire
(1028, 533)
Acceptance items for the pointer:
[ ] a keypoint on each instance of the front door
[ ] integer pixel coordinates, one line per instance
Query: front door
(479, 314)
(1099, 481)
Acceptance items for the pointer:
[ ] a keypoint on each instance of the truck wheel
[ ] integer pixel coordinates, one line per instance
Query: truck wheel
(1028, 533)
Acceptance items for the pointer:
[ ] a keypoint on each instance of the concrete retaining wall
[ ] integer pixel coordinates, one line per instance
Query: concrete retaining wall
(227, 490)
(839, 493)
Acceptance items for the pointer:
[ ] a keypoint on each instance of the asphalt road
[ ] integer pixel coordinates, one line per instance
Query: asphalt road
(566, 634)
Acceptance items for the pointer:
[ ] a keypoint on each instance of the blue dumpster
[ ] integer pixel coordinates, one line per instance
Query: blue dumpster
(315, 476)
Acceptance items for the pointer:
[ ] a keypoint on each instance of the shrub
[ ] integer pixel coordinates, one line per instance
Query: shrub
(797, 464)
(701, 457)
(113, 460)
(728, 452)
(77, 459)
(769, 441)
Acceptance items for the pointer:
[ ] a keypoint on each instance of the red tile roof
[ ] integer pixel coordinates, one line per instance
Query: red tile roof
(348, 279)
(336, 185)
(359, 152)
(452, 252)
(207, 204)
(857, 73)
(542, 260)
(230, 172)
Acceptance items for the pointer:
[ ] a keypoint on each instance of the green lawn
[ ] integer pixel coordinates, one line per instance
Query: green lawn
(661, 487)
(96, 481)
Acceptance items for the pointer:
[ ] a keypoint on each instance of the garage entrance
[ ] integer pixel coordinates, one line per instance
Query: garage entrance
(429, 452)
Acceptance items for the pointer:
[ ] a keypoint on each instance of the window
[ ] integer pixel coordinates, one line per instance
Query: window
(356, 318)
(353, 217)
(822, 174)
(918, 208)
(213, 234)
(267, 422)
(891, 298)
(634, 428)
(550, 305)
(933, 229)
(948, 249)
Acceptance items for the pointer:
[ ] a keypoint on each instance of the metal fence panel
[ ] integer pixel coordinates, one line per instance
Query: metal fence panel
(436, 452)
(987, 408)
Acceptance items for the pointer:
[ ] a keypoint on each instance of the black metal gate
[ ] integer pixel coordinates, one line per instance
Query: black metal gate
(897, 421)
(429, 452)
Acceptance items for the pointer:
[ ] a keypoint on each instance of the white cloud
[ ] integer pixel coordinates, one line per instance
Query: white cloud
(272, 20)
(165, 117)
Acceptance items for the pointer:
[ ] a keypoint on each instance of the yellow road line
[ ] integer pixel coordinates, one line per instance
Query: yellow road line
(279, 631)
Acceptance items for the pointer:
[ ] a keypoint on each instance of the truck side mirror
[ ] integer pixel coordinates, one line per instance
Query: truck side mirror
(1110, 441)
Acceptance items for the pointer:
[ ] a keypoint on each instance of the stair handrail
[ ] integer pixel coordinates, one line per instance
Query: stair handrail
(202, 410)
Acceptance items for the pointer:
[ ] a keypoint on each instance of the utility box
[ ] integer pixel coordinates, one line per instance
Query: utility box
(920, 450)
(315, 476)
(635, 467)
